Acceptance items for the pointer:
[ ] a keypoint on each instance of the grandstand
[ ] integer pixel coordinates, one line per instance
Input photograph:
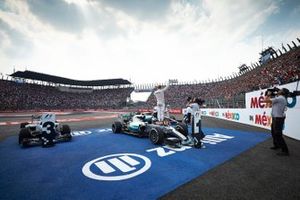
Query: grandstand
(230, 92)
(50, 79)
(35, 91)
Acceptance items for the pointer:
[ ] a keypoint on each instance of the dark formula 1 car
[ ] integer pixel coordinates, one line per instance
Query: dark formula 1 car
(170, 132)
(43, 130)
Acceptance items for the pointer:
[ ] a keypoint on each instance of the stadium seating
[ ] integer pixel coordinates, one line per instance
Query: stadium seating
(24, 96)
(226, 93)
(230, 93)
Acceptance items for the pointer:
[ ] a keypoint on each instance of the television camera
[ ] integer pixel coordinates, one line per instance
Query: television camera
(272, 92)
(199, 101)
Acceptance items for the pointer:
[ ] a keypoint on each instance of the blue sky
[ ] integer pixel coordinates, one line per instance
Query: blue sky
(145, 41)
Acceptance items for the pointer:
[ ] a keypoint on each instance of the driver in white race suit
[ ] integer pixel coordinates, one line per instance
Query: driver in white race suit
(160, 97)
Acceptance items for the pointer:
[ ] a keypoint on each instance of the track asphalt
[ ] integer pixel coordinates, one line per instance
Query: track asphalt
(257, 173)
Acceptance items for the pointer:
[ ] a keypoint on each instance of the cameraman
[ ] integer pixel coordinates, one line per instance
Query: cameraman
(279, 106)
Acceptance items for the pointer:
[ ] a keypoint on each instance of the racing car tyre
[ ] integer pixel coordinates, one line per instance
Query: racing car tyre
(116, 127)
(24, 133)
(65, 129)
(66, 132)
(182, 128)
(22, 125)
(156, 136)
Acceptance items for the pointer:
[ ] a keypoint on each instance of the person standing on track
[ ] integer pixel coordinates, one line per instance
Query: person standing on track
(160, 97)
(195, 105)
(279, 106)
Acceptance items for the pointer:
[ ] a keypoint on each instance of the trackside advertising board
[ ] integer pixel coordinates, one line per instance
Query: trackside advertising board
(258, 113)
(254, 99)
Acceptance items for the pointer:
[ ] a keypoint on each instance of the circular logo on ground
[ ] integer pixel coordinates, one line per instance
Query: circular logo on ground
(116, 167)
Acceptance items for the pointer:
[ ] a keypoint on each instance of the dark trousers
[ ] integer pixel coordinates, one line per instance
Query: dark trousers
(276, 130)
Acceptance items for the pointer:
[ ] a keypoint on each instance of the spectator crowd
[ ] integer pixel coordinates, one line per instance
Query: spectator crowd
(222, 93)
(24, 96)
(230, 93)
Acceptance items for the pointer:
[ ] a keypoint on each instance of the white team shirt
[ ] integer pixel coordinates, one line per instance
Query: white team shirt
(159, 94)
(195, 107)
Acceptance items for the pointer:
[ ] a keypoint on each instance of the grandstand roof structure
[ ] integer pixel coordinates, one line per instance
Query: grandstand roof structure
(60, 80)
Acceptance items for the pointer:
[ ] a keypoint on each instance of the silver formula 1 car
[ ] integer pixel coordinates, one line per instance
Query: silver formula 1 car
(43, 130)
(169, 132)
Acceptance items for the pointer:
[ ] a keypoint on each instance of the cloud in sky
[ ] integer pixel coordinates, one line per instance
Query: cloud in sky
(60, 14)
(144, 41)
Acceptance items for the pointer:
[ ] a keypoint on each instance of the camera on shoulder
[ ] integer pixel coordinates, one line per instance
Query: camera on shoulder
(272, 92)
(200, 101)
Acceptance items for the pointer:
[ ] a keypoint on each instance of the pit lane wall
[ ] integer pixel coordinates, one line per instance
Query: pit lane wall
(258, 113)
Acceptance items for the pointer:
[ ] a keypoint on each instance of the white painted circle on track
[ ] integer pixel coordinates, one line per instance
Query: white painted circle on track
(86, 170)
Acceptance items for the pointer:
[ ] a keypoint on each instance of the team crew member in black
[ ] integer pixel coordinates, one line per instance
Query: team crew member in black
(279, 106)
